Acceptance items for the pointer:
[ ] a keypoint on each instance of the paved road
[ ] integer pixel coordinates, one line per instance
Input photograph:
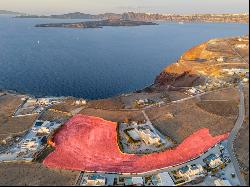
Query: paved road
(234, 133)
(184, 99)
(236, 52)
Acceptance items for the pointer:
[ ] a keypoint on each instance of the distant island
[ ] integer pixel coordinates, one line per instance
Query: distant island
(75, 15)
(223, 18)
(97, 24)
(10, 12)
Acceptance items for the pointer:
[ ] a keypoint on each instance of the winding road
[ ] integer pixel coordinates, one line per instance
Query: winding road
(234, 133)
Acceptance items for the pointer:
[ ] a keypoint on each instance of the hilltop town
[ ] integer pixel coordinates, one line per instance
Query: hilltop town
(224, 18)
(191, 127)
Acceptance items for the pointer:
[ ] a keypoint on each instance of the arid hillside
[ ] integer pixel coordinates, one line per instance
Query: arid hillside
(206, 61)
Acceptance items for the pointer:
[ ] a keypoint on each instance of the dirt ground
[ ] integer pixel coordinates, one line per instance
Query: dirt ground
(8, 124)
(51, 115)
(67, 105)
(110, 103)
(184, 122)
(34, 174)
(221, 108)
(115, 116)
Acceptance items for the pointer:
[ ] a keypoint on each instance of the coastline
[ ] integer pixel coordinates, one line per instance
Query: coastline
(147, 88)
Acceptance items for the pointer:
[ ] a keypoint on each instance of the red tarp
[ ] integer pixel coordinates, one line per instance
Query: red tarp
(90, 144)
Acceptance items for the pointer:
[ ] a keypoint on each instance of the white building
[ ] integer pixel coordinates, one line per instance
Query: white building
(220, 182)
(149, 137)
(146, 135)
(31, 101)
(94, 180)
(81, 102)
(165, 179)
(220, 59)
(194, 90)
(241, 46)
(138, 181)
(43, 101)
(131, 181)
(134, 134)
(31, 145)
(245, 80)
(43, 130)
(190, 172)
(214, 161)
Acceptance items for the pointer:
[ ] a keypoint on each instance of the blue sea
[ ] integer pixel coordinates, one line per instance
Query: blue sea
(94, 63)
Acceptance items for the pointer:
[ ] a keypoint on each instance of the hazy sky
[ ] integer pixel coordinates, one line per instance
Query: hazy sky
(100, 6)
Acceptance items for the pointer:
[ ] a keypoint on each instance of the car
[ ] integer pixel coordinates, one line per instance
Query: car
(233, 175)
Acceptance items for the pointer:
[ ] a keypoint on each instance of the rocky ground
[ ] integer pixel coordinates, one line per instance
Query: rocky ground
(35, 174)
(9, 126)
(180, 120)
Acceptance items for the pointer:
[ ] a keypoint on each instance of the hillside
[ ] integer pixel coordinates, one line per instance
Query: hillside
(206, 62)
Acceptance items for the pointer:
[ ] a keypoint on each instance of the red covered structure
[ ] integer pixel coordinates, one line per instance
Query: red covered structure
(89, 143)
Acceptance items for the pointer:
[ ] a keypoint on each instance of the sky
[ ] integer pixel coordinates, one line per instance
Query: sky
(119, 6)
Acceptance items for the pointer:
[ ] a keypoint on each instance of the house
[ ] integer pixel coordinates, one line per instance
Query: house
(144, 101)
(141, 102)
(245, 80)
(213, 161)
(149, 137)
(43, 101)
(146, 135)
(220, 182)
(137, 181)
(164, 179)
(43, 130)
(94, 180)
(133, 133)
(194, 90)
(81, 102)
(190, 172)
(30, 144)
(133, 181)
(241, 46)
(220, 59)
(31, 101)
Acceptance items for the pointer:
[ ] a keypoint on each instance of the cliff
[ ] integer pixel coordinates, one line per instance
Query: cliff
(205, 61)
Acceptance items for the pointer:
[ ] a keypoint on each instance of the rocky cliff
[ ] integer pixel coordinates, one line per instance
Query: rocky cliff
(205, 61)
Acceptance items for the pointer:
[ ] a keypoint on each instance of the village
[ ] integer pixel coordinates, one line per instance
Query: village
(214, 168)
(32, 143)
(231, 78)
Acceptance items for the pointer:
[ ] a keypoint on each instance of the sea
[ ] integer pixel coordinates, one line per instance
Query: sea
(94, 63)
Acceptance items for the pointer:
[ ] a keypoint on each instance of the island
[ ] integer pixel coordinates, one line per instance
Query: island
(6, 12)
(190, 127)
(97, 24)
(221, 18)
